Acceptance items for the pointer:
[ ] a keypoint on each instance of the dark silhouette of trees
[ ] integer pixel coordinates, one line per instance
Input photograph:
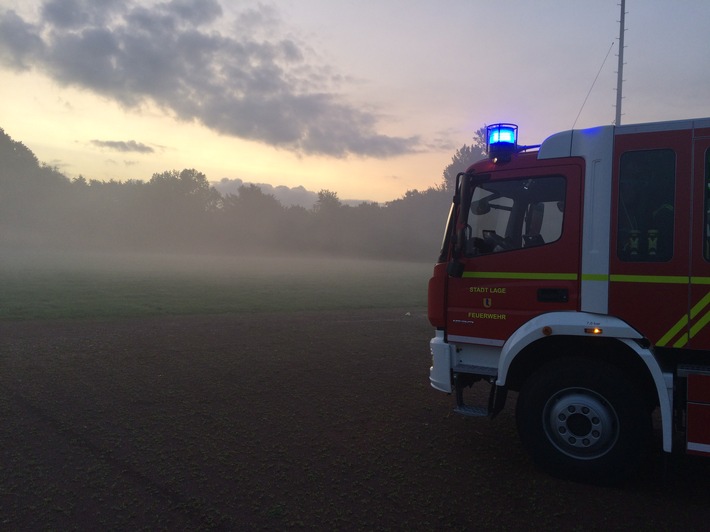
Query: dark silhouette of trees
(29, 192)
(250, 220)
(188, 187)
(178, 211)
(464, 157)
(328, 203)
(328, 227)
(181, 205)
(417, 218)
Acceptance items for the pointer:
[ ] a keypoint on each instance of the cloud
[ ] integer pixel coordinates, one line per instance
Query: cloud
(20, 42)
(123, 146)
(249, 83)
(287, 196)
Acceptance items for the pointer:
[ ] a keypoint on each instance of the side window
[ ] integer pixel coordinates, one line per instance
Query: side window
(515, 214)
(646, 205)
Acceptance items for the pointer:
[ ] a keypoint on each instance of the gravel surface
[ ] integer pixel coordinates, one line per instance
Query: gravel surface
(274, 421)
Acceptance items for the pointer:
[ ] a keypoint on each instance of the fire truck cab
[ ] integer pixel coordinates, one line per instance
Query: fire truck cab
(577, 273)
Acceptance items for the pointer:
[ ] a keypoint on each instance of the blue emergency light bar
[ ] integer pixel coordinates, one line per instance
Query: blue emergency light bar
(502, 141)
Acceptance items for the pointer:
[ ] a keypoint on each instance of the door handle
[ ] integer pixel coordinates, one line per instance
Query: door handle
(552, 295)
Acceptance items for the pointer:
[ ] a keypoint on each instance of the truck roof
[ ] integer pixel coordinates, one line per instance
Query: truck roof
(578, 141)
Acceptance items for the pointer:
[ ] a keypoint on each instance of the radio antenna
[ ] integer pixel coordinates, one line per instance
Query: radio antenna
(593, 82)
(620, 70)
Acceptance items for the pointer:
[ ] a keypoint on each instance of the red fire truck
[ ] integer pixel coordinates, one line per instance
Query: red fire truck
(577, 273)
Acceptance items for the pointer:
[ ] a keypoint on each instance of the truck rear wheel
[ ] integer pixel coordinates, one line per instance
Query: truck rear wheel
(581, 419)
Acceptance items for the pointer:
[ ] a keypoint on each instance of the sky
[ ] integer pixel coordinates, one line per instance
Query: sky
(365, 98)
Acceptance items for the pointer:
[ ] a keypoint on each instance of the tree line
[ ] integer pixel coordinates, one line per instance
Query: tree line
(179, 211)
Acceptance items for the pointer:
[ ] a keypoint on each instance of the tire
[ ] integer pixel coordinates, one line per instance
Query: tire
(581, 419)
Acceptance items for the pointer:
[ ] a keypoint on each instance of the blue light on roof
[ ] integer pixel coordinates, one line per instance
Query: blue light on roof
(506, 133)
(502, 141)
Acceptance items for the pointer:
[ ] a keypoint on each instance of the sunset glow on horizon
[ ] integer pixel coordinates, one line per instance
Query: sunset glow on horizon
(366, 100)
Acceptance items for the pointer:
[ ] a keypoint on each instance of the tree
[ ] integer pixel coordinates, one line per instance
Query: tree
(415, 223)
(182, 207)
(252, 218)
(33, 196)
(463, 158)
(17, 158)
(190, 184)
(252, 201)
(327, 202)
(328, 222)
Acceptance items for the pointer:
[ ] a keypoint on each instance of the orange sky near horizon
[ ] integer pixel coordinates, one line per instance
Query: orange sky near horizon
(383, 93)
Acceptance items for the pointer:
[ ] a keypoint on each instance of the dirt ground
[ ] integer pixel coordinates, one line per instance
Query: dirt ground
(274, 421)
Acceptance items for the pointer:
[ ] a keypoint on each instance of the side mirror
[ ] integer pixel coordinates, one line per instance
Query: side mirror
(463, 200)
(480, 207)
(455, 268)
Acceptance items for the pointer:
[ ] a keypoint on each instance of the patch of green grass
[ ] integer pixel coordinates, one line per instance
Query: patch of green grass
(36, 286)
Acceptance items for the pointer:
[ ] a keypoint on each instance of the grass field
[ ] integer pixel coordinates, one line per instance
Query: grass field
(34, 286)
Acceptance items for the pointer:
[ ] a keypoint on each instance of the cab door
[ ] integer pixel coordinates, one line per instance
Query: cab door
(699, 316)
(522, 252)
(649, 256)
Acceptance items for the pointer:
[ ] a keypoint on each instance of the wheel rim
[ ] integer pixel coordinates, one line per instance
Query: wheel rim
(580, 423)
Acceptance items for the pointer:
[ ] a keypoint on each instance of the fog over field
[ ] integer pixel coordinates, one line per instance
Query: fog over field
(41, 285)
(267, 266)
(180, 212)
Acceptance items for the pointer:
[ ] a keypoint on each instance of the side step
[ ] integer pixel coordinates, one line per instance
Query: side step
(481, 371)
(465, 375)
(472, 411)
(686, 369)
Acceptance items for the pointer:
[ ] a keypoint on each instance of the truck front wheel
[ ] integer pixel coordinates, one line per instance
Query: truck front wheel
(581, 419)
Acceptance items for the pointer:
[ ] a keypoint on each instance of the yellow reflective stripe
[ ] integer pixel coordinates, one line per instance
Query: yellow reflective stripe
(618, 278)
(702, 322)
(681, 341)
(659, 279)
(700, 305)
(595, 277)
(683, 322)
(680, 324)
(678, 327)
(522, 275)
